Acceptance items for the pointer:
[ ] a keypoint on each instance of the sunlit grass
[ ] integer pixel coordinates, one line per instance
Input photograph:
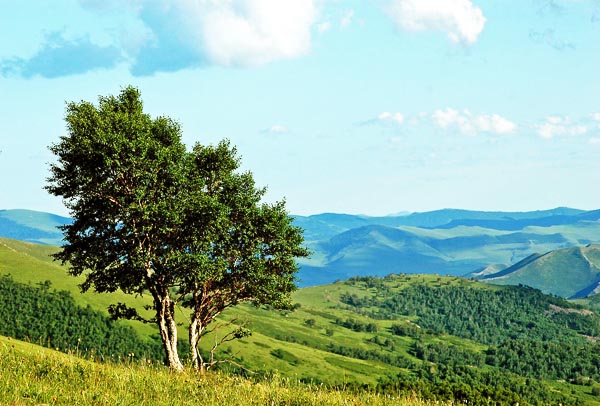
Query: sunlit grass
(34, 375)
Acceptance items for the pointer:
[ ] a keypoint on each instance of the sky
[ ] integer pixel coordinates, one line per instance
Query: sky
(351, 106)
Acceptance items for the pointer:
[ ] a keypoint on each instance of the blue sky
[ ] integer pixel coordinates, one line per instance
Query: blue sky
(370, 106)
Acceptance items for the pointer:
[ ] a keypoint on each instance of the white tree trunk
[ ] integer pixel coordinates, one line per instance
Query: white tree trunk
(168, 332)
(194, 336)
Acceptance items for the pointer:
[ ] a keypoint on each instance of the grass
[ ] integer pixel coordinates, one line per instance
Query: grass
(31, 375)
(285, 347)
(272, 331)
(31, 263)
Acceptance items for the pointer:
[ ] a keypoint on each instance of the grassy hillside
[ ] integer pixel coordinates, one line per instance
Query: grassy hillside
(32, 263)
(31, 375)
(427, 334)
(570, 272)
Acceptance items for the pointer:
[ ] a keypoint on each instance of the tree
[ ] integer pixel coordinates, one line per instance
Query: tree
(151, 217)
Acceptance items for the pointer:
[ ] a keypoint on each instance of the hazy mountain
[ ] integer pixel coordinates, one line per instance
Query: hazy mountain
(445, 242)
(511, 223)
(322, 226)
(32, 226)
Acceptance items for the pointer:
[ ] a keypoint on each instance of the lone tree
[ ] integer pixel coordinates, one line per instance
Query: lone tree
(152, 218)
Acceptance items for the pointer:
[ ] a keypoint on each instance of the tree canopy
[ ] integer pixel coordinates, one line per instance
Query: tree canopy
(151, 217)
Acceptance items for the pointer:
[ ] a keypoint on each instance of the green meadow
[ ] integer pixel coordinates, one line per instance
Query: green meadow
(360, 341)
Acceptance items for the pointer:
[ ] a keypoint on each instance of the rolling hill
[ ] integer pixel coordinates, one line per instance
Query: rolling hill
(568, 272)
(445, 242)
(421, 334)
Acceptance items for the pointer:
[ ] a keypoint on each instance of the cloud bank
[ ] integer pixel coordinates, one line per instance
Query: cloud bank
(248, 32)
(180, 34)
(472, 124)
(59, 56)
(555, 126)
(171, 35)
(459, 19)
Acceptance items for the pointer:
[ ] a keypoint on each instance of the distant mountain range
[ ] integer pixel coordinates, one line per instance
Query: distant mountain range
(446, 242)
(32, 226)
(497, 247)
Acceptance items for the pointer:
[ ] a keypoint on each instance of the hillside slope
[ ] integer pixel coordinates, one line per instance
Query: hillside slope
(569, 272)
(32, 263)
(402, 334)
(39, 376)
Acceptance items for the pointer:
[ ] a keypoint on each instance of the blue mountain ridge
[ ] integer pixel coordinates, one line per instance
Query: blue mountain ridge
(446, 242)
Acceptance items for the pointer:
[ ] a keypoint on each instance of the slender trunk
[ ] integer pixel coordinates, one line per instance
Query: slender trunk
(195, 332)
(195, 335)
(168, 331)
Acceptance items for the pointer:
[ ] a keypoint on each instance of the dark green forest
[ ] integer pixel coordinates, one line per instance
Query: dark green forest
(530, 337)
(51, 318)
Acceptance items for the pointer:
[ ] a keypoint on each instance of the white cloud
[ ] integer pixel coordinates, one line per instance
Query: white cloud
(252, 32)
(558, 126)
(276, 129)
(225, 32)
(324, 26)
(397, 118)
(459, 19)
(495, 124)
(595, 140)
(596, 118)
(347, 18)
(471, 124)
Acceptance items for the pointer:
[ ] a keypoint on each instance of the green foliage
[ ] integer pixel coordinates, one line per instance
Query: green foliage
(152, 218)
(310, 322)
(442, 353)
(286, 356)
(406, 330)
(484, 315)
(468, 385)
(357, 325)
(550, 360)
(385, 357)
(52, 318)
